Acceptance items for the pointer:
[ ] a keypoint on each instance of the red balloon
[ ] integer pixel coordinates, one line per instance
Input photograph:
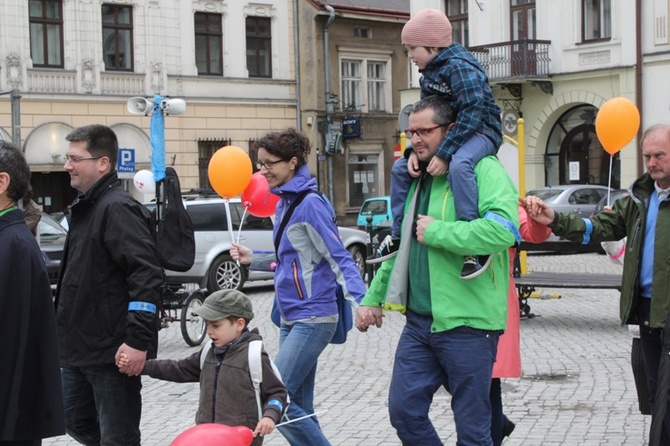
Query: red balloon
(211, 434)
(257, 198)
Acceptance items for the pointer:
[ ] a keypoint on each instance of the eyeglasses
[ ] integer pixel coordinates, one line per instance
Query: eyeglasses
(77, 160)
(268, 164)
(421, 133)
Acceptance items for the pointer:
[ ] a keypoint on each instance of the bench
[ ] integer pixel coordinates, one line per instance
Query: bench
(527, 284)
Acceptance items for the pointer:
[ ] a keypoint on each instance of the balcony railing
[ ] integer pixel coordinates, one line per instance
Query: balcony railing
(514, 60)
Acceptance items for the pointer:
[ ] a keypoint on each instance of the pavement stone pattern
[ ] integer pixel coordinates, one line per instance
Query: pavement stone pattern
(577, 386)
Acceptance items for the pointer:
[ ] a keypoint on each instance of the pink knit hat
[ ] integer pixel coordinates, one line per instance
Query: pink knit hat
(428, 28)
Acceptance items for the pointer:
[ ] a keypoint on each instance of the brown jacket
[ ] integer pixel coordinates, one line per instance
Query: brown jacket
(227, 395)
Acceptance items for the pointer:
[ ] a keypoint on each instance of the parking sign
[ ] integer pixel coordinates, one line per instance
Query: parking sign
(126, 163)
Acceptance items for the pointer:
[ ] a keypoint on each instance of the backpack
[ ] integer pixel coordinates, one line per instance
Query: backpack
(255, 370)
(172, 227)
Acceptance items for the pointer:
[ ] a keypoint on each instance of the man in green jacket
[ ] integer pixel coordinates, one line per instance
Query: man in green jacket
(452, 328)
(645, 289)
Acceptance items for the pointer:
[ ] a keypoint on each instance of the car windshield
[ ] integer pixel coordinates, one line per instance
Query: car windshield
(547, 195)
(373, 207)
(49, 230)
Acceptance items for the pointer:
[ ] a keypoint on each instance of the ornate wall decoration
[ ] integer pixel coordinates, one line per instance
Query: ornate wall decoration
(14, 71)
(156, 77)
(88, 78)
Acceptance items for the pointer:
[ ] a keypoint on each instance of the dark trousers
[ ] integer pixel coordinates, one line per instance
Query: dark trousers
(651, 345)
(102, 405)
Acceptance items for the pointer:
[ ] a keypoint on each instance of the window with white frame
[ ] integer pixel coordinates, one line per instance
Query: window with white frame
(365, 82)
(596, 20)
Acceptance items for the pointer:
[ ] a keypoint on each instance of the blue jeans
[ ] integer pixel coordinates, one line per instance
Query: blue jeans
(463, 358)
(102, 405)
(461, 179)
(300, 345)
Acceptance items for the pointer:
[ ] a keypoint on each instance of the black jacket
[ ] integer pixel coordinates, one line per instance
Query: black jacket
(31, 400)
(109, 261)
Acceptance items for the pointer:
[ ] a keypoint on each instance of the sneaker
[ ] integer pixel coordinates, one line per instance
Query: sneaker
(388, 249)
(474, 266)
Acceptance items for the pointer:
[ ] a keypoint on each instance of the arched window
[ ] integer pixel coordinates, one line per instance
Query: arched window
(574, 154)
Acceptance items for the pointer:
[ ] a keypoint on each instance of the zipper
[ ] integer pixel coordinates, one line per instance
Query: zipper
(296, 280)
(217, 369)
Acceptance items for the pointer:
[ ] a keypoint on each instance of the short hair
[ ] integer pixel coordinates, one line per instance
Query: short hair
(100, 141)
(442, 111)
(655, 128)
(14, 163)
(286, 144)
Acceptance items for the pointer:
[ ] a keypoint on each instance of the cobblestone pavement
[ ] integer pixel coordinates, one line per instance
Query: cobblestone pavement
(577, 386)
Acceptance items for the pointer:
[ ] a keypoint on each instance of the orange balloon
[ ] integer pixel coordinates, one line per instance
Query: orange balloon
(617, 123)
(229, 171)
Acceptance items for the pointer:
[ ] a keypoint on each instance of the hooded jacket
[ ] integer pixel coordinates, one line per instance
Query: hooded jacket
(311, 259)
(480, 302)
(628, 219)
(109, 261)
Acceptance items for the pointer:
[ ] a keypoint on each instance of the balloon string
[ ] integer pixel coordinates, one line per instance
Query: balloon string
(229, 221)
(301, 418)
(239, 230)
(609, 181)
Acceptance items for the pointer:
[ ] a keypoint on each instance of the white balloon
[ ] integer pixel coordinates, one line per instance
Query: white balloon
(144, 181)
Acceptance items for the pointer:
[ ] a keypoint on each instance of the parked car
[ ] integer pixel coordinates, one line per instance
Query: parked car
(214, 268)
(376, 213)
(579, 199)
(51, 239)
(614, 196)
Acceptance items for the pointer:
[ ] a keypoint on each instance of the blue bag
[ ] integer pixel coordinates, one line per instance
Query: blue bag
(344, 323)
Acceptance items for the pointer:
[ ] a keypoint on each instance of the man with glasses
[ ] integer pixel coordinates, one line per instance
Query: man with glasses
(107, 296)
(452, 329)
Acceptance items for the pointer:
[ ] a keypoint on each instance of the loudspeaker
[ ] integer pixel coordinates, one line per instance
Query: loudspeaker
(173, 106)
(139, 105)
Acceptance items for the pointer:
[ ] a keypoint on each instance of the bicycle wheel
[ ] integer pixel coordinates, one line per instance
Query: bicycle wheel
(193, 327)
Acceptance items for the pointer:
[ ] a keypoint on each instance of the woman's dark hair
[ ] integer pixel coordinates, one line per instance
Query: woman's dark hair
(286, 144)
(14, 164)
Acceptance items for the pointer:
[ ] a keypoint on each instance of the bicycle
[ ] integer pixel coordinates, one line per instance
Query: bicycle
(178, 303)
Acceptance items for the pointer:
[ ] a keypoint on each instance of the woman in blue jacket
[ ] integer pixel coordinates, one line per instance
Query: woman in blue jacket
(310, 262)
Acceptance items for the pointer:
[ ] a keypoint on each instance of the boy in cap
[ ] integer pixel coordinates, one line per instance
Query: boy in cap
(451, 71)
(227, 395)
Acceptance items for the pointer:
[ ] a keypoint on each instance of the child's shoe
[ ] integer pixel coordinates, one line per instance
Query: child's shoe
(388, 249)
(474, 266)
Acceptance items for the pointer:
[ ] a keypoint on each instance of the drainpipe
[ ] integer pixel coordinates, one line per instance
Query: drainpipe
(638, 78)
(330, 105)
(296, 50)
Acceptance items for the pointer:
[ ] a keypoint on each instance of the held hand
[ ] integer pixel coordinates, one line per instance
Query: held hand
(241, 253)
(123, 362)
(135, 358)
(437, 167)
(539, 210)
(421, 224)
(264, 427)
(366, 316)
(413, 165)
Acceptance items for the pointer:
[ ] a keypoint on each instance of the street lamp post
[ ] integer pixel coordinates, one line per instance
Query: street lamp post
(15, 96)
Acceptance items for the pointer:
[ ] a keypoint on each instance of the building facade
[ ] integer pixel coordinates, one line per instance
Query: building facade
(352, 67)
(77, 62)
(555, 64)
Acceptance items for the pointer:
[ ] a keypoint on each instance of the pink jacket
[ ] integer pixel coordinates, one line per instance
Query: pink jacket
(508, 361)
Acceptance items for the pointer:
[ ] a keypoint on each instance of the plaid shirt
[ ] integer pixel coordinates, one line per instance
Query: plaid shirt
(457, 75)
